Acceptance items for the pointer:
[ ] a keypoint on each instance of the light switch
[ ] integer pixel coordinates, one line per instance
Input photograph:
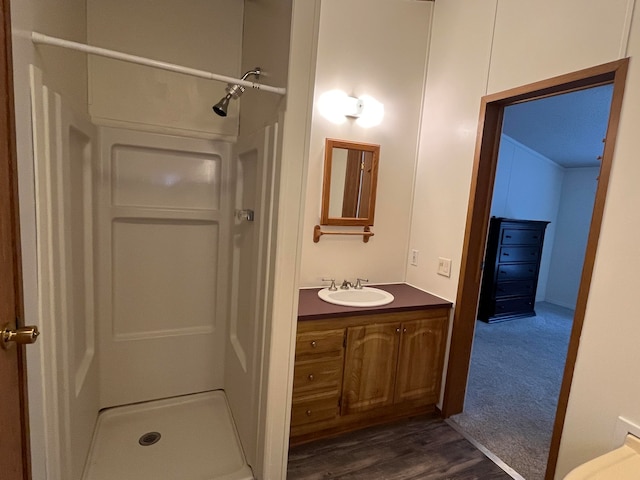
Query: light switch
(444, 266)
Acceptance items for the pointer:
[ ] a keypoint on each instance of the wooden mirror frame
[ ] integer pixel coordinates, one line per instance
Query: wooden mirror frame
(367, 220)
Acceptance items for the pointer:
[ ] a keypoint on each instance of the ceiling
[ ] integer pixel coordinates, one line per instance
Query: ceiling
(568, 129)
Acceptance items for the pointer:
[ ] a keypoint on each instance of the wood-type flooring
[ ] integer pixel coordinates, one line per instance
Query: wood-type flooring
(419, 448)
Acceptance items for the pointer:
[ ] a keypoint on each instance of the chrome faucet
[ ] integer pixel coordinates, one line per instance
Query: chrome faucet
(359, 281)
(332, 288)
(346, 285)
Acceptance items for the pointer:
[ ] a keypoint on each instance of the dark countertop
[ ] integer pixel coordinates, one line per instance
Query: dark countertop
(407, 298)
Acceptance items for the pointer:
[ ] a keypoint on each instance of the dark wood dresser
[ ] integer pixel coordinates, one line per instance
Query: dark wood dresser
(511, 267)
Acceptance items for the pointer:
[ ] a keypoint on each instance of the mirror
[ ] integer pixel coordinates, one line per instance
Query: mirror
(349, 186)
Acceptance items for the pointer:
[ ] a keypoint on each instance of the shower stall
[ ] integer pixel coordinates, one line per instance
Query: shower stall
(154, 237)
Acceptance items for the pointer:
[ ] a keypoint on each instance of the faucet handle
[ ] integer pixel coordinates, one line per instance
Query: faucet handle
(359, 282)
(333, 283)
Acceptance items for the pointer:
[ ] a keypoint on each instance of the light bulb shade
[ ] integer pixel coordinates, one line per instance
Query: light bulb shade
(336, 106)
(330, 105)
(372, 113)
(352, 107)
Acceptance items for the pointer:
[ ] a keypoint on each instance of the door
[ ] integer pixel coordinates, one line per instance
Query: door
(420, 360)
(14, 441)
(370, 367)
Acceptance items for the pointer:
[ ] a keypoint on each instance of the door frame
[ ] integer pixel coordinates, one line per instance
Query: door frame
(15, 435)
(478, 213)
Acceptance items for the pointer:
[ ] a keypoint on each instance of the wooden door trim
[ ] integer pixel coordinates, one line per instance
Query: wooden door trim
(483, 177)
(9, 155)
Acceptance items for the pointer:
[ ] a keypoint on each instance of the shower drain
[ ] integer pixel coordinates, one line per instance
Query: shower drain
(149, 439)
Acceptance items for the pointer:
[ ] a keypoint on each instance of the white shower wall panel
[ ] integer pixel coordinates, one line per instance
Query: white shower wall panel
(170, 179)
(163, 250)
(205, 35)
(64, 146)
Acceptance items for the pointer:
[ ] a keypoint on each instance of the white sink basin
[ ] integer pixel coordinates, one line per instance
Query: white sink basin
(361, 297)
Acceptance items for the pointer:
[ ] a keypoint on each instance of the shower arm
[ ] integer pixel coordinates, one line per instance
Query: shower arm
(39, 38)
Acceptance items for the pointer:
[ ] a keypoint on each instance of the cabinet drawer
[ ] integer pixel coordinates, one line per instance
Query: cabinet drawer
(521, 236)
(519, 254)
(311, 343)
(317, 376)
(315, 410)
(521, 271)
(513, 289)
(514, 306)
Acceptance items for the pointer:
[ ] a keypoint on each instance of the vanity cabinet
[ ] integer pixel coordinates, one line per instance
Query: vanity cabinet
(393, 363)
(356, 371)
(370, 367)
(317, 380)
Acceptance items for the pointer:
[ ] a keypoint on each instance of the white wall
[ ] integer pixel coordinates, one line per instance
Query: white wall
(378, 48)
(265, 43)
(605, 382)
(257, 162)
(66, 74)
(285, 242)
(202, 35)
(573, 222)
(528, 186)
(495, 45)
(456, 79)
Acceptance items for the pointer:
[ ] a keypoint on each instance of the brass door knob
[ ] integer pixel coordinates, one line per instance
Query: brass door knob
(9, 335)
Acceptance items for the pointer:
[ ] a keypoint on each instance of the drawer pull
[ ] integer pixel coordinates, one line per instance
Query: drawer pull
(314, 344)
(505, 254)
(308, 412)
(310, 377)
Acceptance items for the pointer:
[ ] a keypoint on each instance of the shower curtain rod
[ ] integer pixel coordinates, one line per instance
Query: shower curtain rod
(81, 47)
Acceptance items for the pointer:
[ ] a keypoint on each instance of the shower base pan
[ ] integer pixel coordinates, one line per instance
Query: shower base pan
(184, 438)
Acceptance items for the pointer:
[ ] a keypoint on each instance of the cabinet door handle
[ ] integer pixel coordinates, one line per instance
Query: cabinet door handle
(398, 330)
(310, 377)
(308, 412)
(404, 330)
(314, 344)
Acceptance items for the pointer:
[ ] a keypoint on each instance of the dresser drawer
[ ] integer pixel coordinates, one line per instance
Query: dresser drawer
(523, 271)
(317, 376)
(515, 289)
(314, 410)
(312, 343)
(513, 306)
(521, 236)
(519, 254)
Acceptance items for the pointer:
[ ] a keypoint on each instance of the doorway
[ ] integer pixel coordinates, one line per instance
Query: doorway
(484, 174)
(547, 171)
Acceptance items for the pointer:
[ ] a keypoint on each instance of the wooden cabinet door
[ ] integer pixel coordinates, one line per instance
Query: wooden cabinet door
(370, 367)
(420, 360)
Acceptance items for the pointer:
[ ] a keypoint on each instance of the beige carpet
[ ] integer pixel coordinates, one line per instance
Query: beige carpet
(514, 382)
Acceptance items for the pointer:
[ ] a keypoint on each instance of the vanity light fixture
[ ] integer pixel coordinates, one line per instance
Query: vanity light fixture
(336, 106)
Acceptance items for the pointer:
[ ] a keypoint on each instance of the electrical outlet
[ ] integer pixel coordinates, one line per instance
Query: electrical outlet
(414, 257)
(444, 266)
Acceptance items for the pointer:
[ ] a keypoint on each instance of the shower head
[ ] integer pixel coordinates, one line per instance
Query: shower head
(221, 107)
(233, 91)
